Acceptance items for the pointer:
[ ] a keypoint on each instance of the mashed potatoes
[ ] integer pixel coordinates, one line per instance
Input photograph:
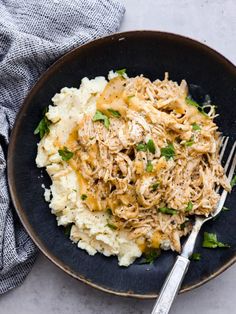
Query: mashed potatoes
(130, 161)
(90, 230)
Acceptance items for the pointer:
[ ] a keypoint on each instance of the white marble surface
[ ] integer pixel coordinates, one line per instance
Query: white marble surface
(47, 289)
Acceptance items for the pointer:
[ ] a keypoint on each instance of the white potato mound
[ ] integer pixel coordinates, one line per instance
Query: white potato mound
(90, 230)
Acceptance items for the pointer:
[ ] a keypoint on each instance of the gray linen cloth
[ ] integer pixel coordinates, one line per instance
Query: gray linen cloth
(33, 34)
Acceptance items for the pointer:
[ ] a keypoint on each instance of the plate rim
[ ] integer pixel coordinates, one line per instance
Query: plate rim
(26, 102)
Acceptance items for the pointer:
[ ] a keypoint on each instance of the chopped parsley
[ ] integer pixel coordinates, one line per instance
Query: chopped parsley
(196, 257)
(65, 154)
(121, 72)
(67, 230)
(155, 186)
(151, 146)
(233, 181)
(189, 207)
(196, 127)
(111, 226)
(189, 143)
(150, 257)
(192, 102)
(168, 151)
(167, 210)
(83, 197)
(149, 167)
(130, 96)
(115, 113)
(210, 241)
(99, 116)
(43, 126)
(141, 147)
(225, 209)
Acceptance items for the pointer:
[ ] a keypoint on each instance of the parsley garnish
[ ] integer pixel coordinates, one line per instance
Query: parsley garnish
(65, 154)
(189, 207)
(150, 257)
(67, 230)
(114, 112)
(192, 102)
(121, 72)
(130, 96)
(196, 257)
(196, 127)
(99, 116)
(151, 146)
(167, 210)
(111, 226)
(210, 241)
(43, 126)
(141, 147)
(155, 186)
(233, 181)
(83, 197)
(225, 209)
(149, 167)
(168, 151)
(189, 143)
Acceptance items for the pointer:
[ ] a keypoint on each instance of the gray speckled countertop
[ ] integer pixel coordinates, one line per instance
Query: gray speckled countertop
(47, 289)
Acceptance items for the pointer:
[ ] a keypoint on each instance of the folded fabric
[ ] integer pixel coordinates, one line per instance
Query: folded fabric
(33, 34)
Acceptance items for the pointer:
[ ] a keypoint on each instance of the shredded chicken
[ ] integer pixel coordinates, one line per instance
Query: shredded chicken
(154, 165)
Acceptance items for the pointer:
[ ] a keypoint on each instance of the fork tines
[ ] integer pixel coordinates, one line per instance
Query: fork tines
(231, 162)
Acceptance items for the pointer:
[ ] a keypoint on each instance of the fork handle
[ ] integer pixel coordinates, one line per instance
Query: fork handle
(171, 286)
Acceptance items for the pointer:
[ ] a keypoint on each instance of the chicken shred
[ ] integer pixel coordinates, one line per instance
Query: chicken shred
(122, 174)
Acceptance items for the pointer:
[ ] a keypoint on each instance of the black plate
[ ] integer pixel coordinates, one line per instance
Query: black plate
(151, 53)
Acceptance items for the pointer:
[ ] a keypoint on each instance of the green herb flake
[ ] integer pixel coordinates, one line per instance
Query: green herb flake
(115, 113)
(141, 147)
(189, 143)
(192, 102)
(149, 167)
(83, 197)
(155, 186)
(111, 226)
(130, 96)
(210, 241)
(225, 209)
(121, 72)
(189, 207)
(43, 126)
(168, 151)
(167, 210)
(65, 154)
(150, 257)
(196, 127)
(151, 146)
(67, 230)
(99, 116)
(196, 257)
(233, 181)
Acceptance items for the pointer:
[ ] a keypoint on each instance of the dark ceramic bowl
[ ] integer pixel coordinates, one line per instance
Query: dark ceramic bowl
(151, 53)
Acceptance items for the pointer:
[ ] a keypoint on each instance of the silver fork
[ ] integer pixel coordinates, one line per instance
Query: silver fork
(173, 282)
